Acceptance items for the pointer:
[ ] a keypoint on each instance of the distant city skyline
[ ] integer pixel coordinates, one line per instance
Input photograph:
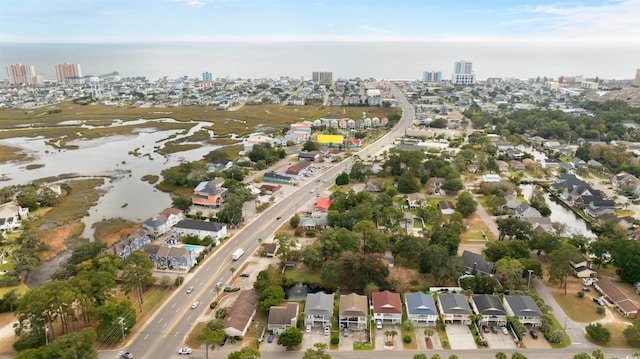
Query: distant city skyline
(122, 21)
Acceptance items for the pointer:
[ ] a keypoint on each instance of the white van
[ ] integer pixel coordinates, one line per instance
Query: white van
(589, 281)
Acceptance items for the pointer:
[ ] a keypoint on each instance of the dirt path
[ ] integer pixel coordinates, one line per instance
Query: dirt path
(43, 272)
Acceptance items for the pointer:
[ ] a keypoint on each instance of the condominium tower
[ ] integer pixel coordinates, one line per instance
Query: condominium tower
(463, 73)
(432, 76)
(322, 77)
(20, 74)
(65, 71)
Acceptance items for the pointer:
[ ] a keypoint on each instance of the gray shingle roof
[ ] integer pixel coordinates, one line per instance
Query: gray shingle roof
(454, 303)
(319, 304)
(522, 306)
(488, 304)
(420, 304)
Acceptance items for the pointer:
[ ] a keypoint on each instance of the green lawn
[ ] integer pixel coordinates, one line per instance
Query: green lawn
(20, 288)
(556, 326)
(578, 309)
(303, 275)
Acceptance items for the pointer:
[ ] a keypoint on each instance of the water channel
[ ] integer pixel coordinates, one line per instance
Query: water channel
(573, 223)
(126, 159)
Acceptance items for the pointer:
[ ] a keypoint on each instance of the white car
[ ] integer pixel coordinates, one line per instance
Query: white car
(195, 305)
(505, 331)
(327, 330)
(378, 324)
(184, 351)
(189, 290)
(308, 328)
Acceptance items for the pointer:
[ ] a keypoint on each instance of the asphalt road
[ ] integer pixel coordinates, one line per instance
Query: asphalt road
(164, 333)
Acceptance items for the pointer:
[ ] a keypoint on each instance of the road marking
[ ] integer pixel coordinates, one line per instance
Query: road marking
(189, 317)
(174, 305)
(146, 336)
(209, 283)
(164, 325)
(160, 320)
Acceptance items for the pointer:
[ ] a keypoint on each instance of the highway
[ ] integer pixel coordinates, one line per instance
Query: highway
(164, 333)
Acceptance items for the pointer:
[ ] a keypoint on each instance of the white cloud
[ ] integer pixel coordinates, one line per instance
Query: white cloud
(612, 19)
(374, 30)
(193, 3)
(330, 24)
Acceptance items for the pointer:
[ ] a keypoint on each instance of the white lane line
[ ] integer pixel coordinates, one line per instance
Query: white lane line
(146, 336)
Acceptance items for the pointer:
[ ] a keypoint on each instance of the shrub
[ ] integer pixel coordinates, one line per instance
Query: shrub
(310, 233)
(335, 339)
(406, 339)
(556, 337)
(598, 333)
(213, 304)
(600, 310)
(580, 294)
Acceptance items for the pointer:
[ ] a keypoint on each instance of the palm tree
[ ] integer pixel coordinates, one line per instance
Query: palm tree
(393, 334)
(387, 333)
(232, 270)
(428, 332)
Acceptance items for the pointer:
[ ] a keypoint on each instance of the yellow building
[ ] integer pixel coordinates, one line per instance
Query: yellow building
(330, 140)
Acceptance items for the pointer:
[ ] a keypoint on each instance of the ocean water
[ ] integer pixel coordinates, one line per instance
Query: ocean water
(380, 60)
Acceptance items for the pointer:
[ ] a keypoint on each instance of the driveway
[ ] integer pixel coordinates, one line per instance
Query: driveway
(316, 336)
(499, 340)
(380, 338)
(460, 337)
(420, 338)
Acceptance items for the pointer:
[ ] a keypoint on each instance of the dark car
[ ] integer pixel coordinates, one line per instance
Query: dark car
(494, 329)
(534, 334)
(244, 275)
(278, 218)
(127, 355)
(270, 339)
(585, 289)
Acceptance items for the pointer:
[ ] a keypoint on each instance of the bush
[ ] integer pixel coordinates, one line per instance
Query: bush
(179, 280)
(556, 337)
(213, 304)
(310, 233)
(335, 339)
(406, 339)
(598, 333)
(600, 310)
(580, 294)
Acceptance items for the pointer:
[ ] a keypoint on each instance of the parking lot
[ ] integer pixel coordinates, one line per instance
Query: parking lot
(460, 337)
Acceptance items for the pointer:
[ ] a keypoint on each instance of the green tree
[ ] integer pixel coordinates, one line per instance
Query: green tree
(309, 146)
(420, 356)
(210, 337)
(291, 337)
(28, 198)
(245, 353)
(294, 221)
(514, 228)
(272, 295)
(582, 355)
(598, 333)
(136, 275)
(597, 354)
(518, 355)
(452, 185)
(501, 355)
(342, 179)
(466, 204)
(407, 183)
(110, 315)
(632, 333)
(511, 269)
(446, 238)
(319, 351)
(559, 267)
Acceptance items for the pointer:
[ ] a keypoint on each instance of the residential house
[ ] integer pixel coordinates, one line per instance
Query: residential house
(372, 187)
(475, 263)
(548, 163)
(526, 211)
(354, 311)
(596, 208)
(219, 166)
(624, 181)
(578, 163)
(166, 257)
(125, 246)
(276, 178)
(10, 216)
(582, 267)
(283, 318)
(446, 207)
(322, 204)
(163, 223)
(502, 166)
(313, 223)
(387, 307)
(434, 184)
(318, 309)
(453, 308)
(421, 308)
(524, 308)
(628, 307)
(240, 316)
(540, 224)
(414, 200)
(269, 249)
(201, 229)
(209, 194)
(516, 165)
(491, 178)
(490, 307)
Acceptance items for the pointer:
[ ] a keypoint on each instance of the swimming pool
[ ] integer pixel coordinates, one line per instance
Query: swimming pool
(192, 247)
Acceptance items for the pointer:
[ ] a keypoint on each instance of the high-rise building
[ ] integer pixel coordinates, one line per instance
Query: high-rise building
(207, 76)
(463, 73)
(637, 80)
(432, 76)
(65, 71)
(20, 74)
(322, 77)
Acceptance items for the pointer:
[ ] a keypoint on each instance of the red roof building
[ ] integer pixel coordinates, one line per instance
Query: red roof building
(323, 204)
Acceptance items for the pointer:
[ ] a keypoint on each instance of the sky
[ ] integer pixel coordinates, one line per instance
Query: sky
(126, 21)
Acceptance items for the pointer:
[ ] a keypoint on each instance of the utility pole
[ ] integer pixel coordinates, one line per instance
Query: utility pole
(529, 280)
(121, 322)
(46, 336)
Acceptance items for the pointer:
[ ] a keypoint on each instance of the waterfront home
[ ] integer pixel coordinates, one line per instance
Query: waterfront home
(421, 308)
(475, 263)
(282, 318)
(10, 216)
(318, 309)
(387, 307)
(524, 308)
(209, 194)
(132, 242)
(491, 309)
(354, 311)
(240, 316)
(201, 229)
(454, 308)
(163, 223)
(166, 257)
(597, 208)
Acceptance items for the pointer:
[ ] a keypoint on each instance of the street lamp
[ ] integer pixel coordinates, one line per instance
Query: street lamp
(121, 322)
(46, 335)
(529, 280)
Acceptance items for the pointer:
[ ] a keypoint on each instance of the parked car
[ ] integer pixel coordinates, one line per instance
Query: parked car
(127, 355)
(494, 329)
(308, 328)
(195, 305)
(534, 334)
(585, 289)
(189, 290)
(219, 284)
(244, 275)
(345, 332)
(270, 339)
(378, 324)
(505, 331)
(327, 330)
(598, 301)
(184, 351)
(485, 328)
(278, 218)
